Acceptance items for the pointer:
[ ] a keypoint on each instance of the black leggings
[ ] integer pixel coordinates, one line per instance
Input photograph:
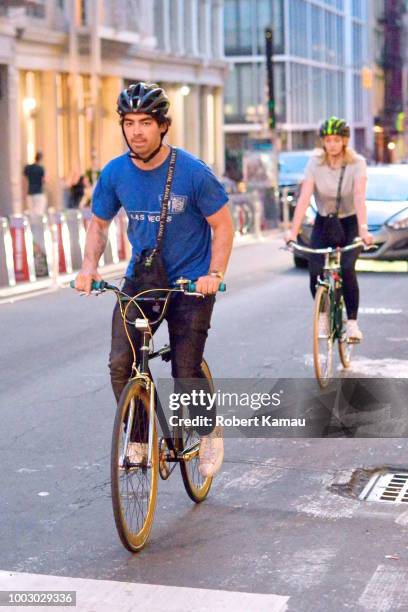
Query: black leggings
(348, 262)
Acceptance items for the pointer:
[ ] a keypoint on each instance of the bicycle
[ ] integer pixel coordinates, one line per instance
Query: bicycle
(329, 312)
(134, 483)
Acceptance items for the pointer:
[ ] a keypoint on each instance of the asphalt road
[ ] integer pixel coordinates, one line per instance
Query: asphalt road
(273, 525)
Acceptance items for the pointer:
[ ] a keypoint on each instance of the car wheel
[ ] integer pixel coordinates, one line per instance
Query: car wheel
(299, 262)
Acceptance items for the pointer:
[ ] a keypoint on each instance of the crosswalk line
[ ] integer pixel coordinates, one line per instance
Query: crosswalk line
(101, 595)
(387, 590)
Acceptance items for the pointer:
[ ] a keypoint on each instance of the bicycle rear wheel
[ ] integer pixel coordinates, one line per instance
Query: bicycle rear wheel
(196, 485)
(322, 337)
(345, 348)
(133, 485)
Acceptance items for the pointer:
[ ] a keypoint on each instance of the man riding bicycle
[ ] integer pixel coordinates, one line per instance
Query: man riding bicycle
(336, 176)
(197, 207)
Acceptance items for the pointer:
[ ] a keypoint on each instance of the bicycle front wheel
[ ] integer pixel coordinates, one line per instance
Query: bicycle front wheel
(196, 485)
(345, 348)
(322, 337)
(133, 481)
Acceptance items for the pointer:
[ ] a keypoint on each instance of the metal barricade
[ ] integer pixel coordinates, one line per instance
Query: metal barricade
(77, 235)
(42, 245)
(23, 249)
(7, 276)
(61, 236)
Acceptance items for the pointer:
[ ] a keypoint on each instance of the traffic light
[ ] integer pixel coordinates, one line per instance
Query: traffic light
(367, 77)
(400, 122)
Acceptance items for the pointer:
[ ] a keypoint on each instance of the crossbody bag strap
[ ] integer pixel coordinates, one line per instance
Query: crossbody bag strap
(338, 196)
(166, 198)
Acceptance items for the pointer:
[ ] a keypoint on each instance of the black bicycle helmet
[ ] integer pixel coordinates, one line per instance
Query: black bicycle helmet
(142, 97)
(334, 127)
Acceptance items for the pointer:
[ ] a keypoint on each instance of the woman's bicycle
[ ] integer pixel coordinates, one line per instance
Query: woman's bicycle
(330, 316)
(138, 457)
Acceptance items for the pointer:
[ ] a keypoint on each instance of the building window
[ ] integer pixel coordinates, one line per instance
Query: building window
(238, 27)
(317, 34)
(245, 93)
(330, 37)
(298, 95)
(269, 14)
(356, 8)
(298, 28)
(159, 23)
(318, 95)
(357, 45)
(358, 98)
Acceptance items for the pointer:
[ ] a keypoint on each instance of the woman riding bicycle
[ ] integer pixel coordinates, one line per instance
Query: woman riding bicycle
(336, 175)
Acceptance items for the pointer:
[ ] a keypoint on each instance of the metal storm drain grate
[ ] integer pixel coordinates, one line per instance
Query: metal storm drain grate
(386, 487)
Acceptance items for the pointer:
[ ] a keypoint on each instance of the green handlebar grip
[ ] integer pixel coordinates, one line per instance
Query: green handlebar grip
(191, 287)
(96, 285)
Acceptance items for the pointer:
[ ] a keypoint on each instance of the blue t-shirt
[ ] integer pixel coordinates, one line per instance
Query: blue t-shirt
(195, 194)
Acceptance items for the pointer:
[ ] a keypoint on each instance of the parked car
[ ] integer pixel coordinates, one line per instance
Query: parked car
(387, 214)
(292, 165)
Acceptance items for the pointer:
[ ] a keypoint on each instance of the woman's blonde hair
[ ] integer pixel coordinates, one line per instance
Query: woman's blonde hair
(350, 156)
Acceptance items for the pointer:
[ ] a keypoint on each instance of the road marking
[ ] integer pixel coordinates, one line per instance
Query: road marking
(370, 368)
(327, 506)
(402, 519)
(382, 368)
(100, 595)
(380, 311)
(387, 590)
(376, 265)
(306, 568)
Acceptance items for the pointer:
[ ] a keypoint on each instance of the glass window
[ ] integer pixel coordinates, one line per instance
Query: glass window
(230, 26)
(298, 28)
(238, 27)
(269, 13)
(299, 93)
(158, 16)
(318, 95)
(330, 37)
(356, 8)
(231, 95)
(386, 186)
(357, 45)
(317, 34)
(340, 40)
(358, 98)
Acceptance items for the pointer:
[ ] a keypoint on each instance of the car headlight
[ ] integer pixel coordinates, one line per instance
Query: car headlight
(399, 221)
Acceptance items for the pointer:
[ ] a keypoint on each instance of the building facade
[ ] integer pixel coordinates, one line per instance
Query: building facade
(390, 102)
(63, 63)
(320, 50)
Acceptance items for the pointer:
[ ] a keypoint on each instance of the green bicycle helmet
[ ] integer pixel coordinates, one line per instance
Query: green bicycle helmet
(142, 97)
(334, 127)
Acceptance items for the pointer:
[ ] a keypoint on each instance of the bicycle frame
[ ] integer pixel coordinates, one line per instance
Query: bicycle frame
(333, 281)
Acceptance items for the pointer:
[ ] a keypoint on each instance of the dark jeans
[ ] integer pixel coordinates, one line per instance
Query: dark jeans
(348, 262)
(188, 319)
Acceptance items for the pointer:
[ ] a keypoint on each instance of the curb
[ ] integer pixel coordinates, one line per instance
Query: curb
(21, 291)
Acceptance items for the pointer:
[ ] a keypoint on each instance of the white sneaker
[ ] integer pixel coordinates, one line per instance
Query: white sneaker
(323, 325)
(354, 333)
(211, 453)
(137, 452)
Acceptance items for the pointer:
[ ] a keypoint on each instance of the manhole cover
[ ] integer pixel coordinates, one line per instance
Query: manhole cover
(387, 487)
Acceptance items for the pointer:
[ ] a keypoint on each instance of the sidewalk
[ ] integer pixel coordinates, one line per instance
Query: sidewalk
(8, 295)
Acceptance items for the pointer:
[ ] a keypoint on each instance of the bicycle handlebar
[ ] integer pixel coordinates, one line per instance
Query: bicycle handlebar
(103, 286)
(304, 249)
